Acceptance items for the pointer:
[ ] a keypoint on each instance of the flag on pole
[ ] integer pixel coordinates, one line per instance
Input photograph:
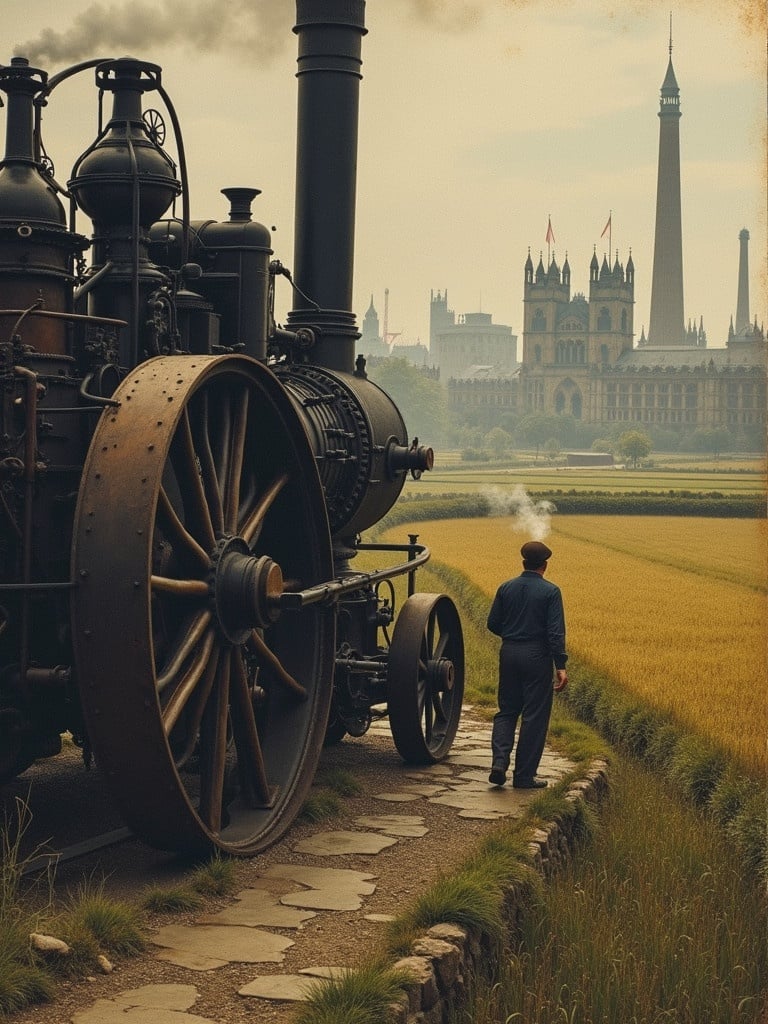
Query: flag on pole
(550, 233)
(607, 225)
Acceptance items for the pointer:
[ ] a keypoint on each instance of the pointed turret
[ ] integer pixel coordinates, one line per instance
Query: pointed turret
(594, 266)
(566, 271)
(529, 269)
(540, 271)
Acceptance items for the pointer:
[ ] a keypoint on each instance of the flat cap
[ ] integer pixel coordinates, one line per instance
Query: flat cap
(535, 553)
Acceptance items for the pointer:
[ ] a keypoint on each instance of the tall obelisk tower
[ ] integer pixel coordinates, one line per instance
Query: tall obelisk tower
(742, 299)
(667, 322)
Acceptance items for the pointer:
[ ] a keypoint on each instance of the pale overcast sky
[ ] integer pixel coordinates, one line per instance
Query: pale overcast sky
(479, 119)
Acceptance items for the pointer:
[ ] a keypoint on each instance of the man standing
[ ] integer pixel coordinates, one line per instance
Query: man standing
(527, 613)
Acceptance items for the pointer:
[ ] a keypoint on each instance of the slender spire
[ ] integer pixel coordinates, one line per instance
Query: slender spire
(667, 323)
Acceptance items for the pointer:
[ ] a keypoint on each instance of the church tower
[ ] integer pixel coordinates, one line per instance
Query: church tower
(667, 322)
(440, 317)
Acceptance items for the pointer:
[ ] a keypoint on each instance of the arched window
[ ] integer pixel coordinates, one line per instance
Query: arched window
(604, 320)
(624, 321)
(537, 354)
(603, 353)
(559, 402)
(576, 405)
(539, 322)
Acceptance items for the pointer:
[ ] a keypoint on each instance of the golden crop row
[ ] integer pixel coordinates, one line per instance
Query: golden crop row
(684, 642)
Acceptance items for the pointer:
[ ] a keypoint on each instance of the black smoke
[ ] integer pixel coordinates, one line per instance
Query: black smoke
(260, 28)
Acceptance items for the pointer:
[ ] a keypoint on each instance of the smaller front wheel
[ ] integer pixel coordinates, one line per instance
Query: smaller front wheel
(425, 678)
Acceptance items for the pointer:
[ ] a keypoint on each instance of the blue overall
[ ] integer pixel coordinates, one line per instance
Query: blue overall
(527, 613)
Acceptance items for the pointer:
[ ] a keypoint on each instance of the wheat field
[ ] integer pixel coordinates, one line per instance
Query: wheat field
(672, 609)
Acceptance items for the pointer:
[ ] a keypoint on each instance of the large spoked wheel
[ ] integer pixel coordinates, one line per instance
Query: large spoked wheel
(206, 703)
(425, 678)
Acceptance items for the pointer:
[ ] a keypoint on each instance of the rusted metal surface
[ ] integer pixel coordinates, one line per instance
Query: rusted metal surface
(208, 738)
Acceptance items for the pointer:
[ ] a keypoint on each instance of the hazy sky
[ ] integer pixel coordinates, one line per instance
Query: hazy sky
(479, 119)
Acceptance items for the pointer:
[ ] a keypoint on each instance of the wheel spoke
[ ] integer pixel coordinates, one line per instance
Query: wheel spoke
(442, 643)
(180, 588)
(184, 460)
(187, 685)
(202, 441)
(177, 533)
(235, 467)
(273, 663)
(251, 526)
(250, 758)
(193, 633)
(213, 747)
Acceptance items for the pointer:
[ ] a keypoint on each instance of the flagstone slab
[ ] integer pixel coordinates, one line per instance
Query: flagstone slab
(279, 987)
(405, 825)
(501, 803)
(323, 899)
(473, 759)
(107, 1011)
(258, 907)
(422, 789)
(379, 918)
(327, 972)
(150, 1004)
(228, 943)
(337, 844)
(324, 878)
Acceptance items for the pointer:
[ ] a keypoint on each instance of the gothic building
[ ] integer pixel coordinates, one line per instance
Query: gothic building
(578, 353)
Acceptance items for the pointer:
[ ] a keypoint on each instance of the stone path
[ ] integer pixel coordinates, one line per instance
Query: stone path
(267, 919)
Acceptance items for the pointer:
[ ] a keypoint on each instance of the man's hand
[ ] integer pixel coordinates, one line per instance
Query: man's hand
(562, 679)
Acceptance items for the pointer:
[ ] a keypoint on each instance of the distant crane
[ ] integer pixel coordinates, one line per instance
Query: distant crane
(386, 335)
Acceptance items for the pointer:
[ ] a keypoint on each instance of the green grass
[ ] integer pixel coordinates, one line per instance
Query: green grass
(217, 877)
(321, 805)
(650, 924)
(357, 997)
(171, 900)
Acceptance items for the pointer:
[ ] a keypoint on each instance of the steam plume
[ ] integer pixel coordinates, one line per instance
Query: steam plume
(529, 516)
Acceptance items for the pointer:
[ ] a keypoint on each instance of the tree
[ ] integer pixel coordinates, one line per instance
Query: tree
(634, 445)
(552, 449)
(499, 441)
(715, 440)
(536, 428)
(419, 398)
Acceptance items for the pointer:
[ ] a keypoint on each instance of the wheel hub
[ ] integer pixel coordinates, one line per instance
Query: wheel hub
(247, 589)
(440, 674)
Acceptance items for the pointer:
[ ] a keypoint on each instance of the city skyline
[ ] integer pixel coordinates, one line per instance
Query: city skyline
(478, 123)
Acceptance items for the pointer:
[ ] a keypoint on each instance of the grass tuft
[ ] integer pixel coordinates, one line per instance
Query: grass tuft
(340, 781)
(365, 996)
(176, 899)
(218, 877)
(92, 924)
(696, 769)
(472, 899)
(321, 805)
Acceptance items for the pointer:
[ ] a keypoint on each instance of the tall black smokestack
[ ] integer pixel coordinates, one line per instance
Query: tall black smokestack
(330, 34)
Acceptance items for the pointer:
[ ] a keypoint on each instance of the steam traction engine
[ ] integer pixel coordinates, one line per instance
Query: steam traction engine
(183, 484)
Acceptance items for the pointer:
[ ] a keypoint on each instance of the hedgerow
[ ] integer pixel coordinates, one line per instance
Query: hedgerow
(708, 504)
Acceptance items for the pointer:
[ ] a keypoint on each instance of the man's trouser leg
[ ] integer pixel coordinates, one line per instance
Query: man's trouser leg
(537, 707)
(510, 707)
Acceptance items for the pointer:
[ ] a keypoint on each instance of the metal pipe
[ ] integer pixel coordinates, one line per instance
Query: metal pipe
(334, 589)
(329, 62)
